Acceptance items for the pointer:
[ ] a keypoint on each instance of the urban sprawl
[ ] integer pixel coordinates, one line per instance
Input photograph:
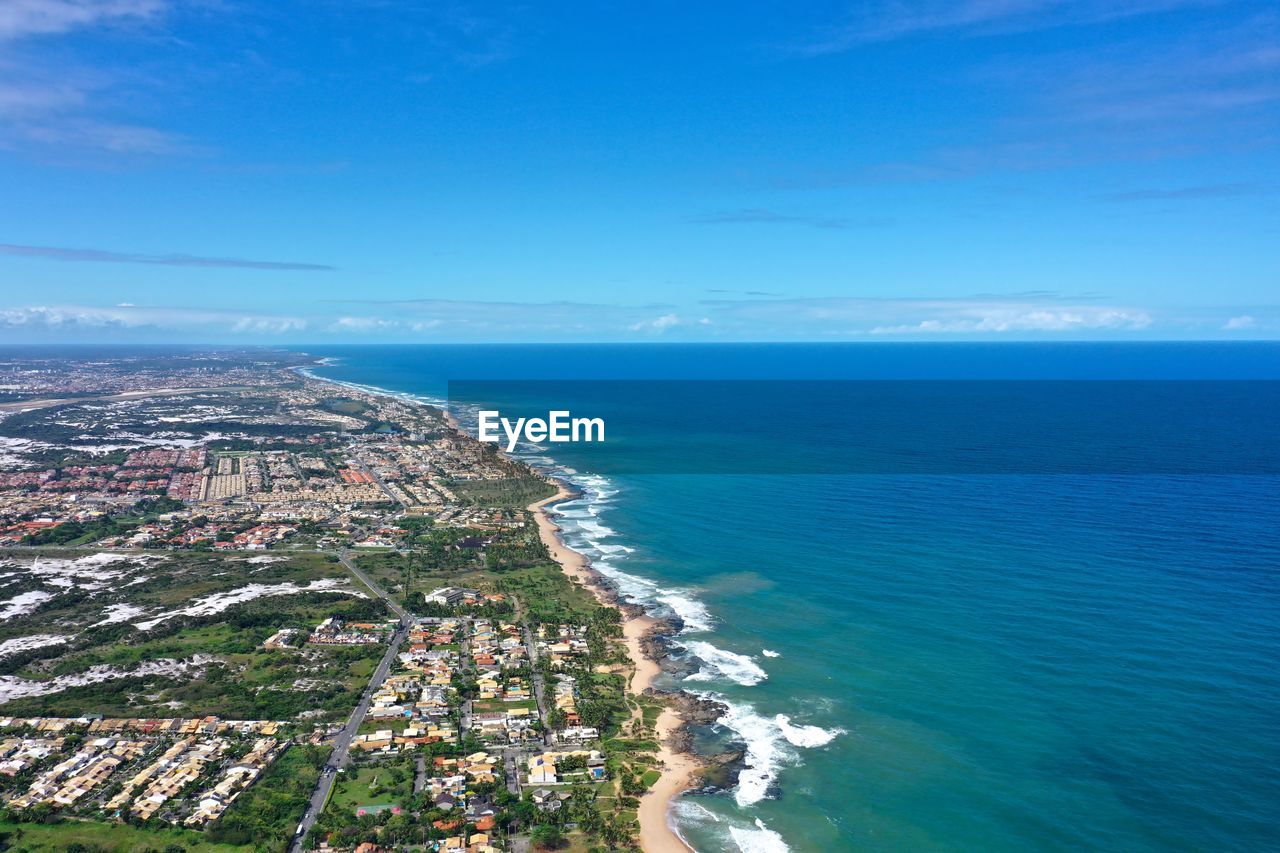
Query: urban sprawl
(242, 608)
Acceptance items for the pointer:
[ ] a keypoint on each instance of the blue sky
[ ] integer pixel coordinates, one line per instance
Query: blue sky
(393, 170)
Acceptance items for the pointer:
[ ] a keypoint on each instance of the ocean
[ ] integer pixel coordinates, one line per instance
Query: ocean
(955, 596)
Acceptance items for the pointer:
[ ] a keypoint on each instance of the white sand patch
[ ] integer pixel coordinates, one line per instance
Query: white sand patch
(94, 572)
(23, 603)
(12, 687)
(220, 601)
(98, 449)
(184, 440)
(122, 612)
(35, 641)
(265, 558)
(12, 450)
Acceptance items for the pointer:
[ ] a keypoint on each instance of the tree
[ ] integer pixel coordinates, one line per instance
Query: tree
(547, 837)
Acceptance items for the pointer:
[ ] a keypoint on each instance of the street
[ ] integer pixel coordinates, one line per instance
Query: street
(340, 755)
(346, 560)
(549, 736)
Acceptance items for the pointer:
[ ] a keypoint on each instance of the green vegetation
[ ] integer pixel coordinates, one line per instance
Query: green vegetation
(549, 596)
(344, 406)
(242, 680)
(509, 493)
(267, 813)
(91, 836)
(75, 533)
(386, 784)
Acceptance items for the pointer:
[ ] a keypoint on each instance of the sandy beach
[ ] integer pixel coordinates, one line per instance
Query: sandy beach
(656, 834)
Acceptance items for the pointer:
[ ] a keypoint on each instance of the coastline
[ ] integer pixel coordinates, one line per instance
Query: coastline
(678, 767)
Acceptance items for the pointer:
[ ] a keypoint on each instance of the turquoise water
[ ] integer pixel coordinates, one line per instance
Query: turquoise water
(917, 659)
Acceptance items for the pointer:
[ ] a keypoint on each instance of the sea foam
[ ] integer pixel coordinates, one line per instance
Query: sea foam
(692, 612)
(738, 668)
(762, 839)
(806, 736)
(771, 744)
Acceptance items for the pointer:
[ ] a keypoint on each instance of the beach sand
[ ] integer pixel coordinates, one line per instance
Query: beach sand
(656, 834)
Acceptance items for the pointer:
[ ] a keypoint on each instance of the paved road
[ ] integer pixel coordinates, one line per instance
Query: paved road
(548, 736)
(340, 755)
(364, 466)
(404, 615)
(420, 775)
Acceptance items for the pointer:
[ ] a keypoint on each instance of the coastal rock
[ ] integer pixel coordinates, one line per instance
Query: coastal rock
(658, 647)
(721, 773)
(693, 709)
(630, 609)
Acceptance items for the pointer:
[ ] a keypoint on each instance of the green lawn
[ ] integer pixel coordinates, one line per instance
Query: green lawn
(372, 786)
(396, 724)
(116, 837)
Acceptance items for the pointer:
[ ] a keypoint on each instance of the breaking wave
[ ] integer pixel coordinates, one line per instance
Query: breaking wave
(762, 839)
(806, 736)
(740, 669)
(771, 745)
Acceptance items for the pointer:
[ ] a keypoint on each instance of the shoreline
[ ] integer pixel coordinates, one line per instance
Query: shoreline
(678, 768)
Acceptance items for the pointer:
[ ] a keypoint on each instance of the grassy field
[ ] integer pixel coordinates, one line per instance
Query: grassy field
(511, 493)
(267, 813)
(395, 724)
(115, 837)
(385, 784)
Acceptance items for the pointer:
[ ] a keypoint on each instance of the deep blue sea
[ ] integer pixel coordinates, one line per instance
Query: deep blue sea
(956, 597)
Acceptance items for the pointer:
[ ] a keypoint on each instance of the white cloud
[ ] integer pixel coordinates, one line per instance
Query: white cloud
(382, 324)
(270, 325)
(361, 324)
(23, 18)
(998, 320)
(125, 316)
(658, 324)
(49, 104)
(1028, 313)
(1235, 324)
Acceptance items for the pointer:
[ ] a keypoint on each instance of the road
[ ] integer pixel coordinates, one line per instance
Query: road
(346, 560)
(340, 755)
(419, 775)
(368, 469)
(548, 736)
(465, 715)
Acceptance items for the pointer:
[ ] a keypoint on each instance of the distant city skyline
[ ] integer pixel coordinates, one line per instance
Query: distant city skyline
(345, 171)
